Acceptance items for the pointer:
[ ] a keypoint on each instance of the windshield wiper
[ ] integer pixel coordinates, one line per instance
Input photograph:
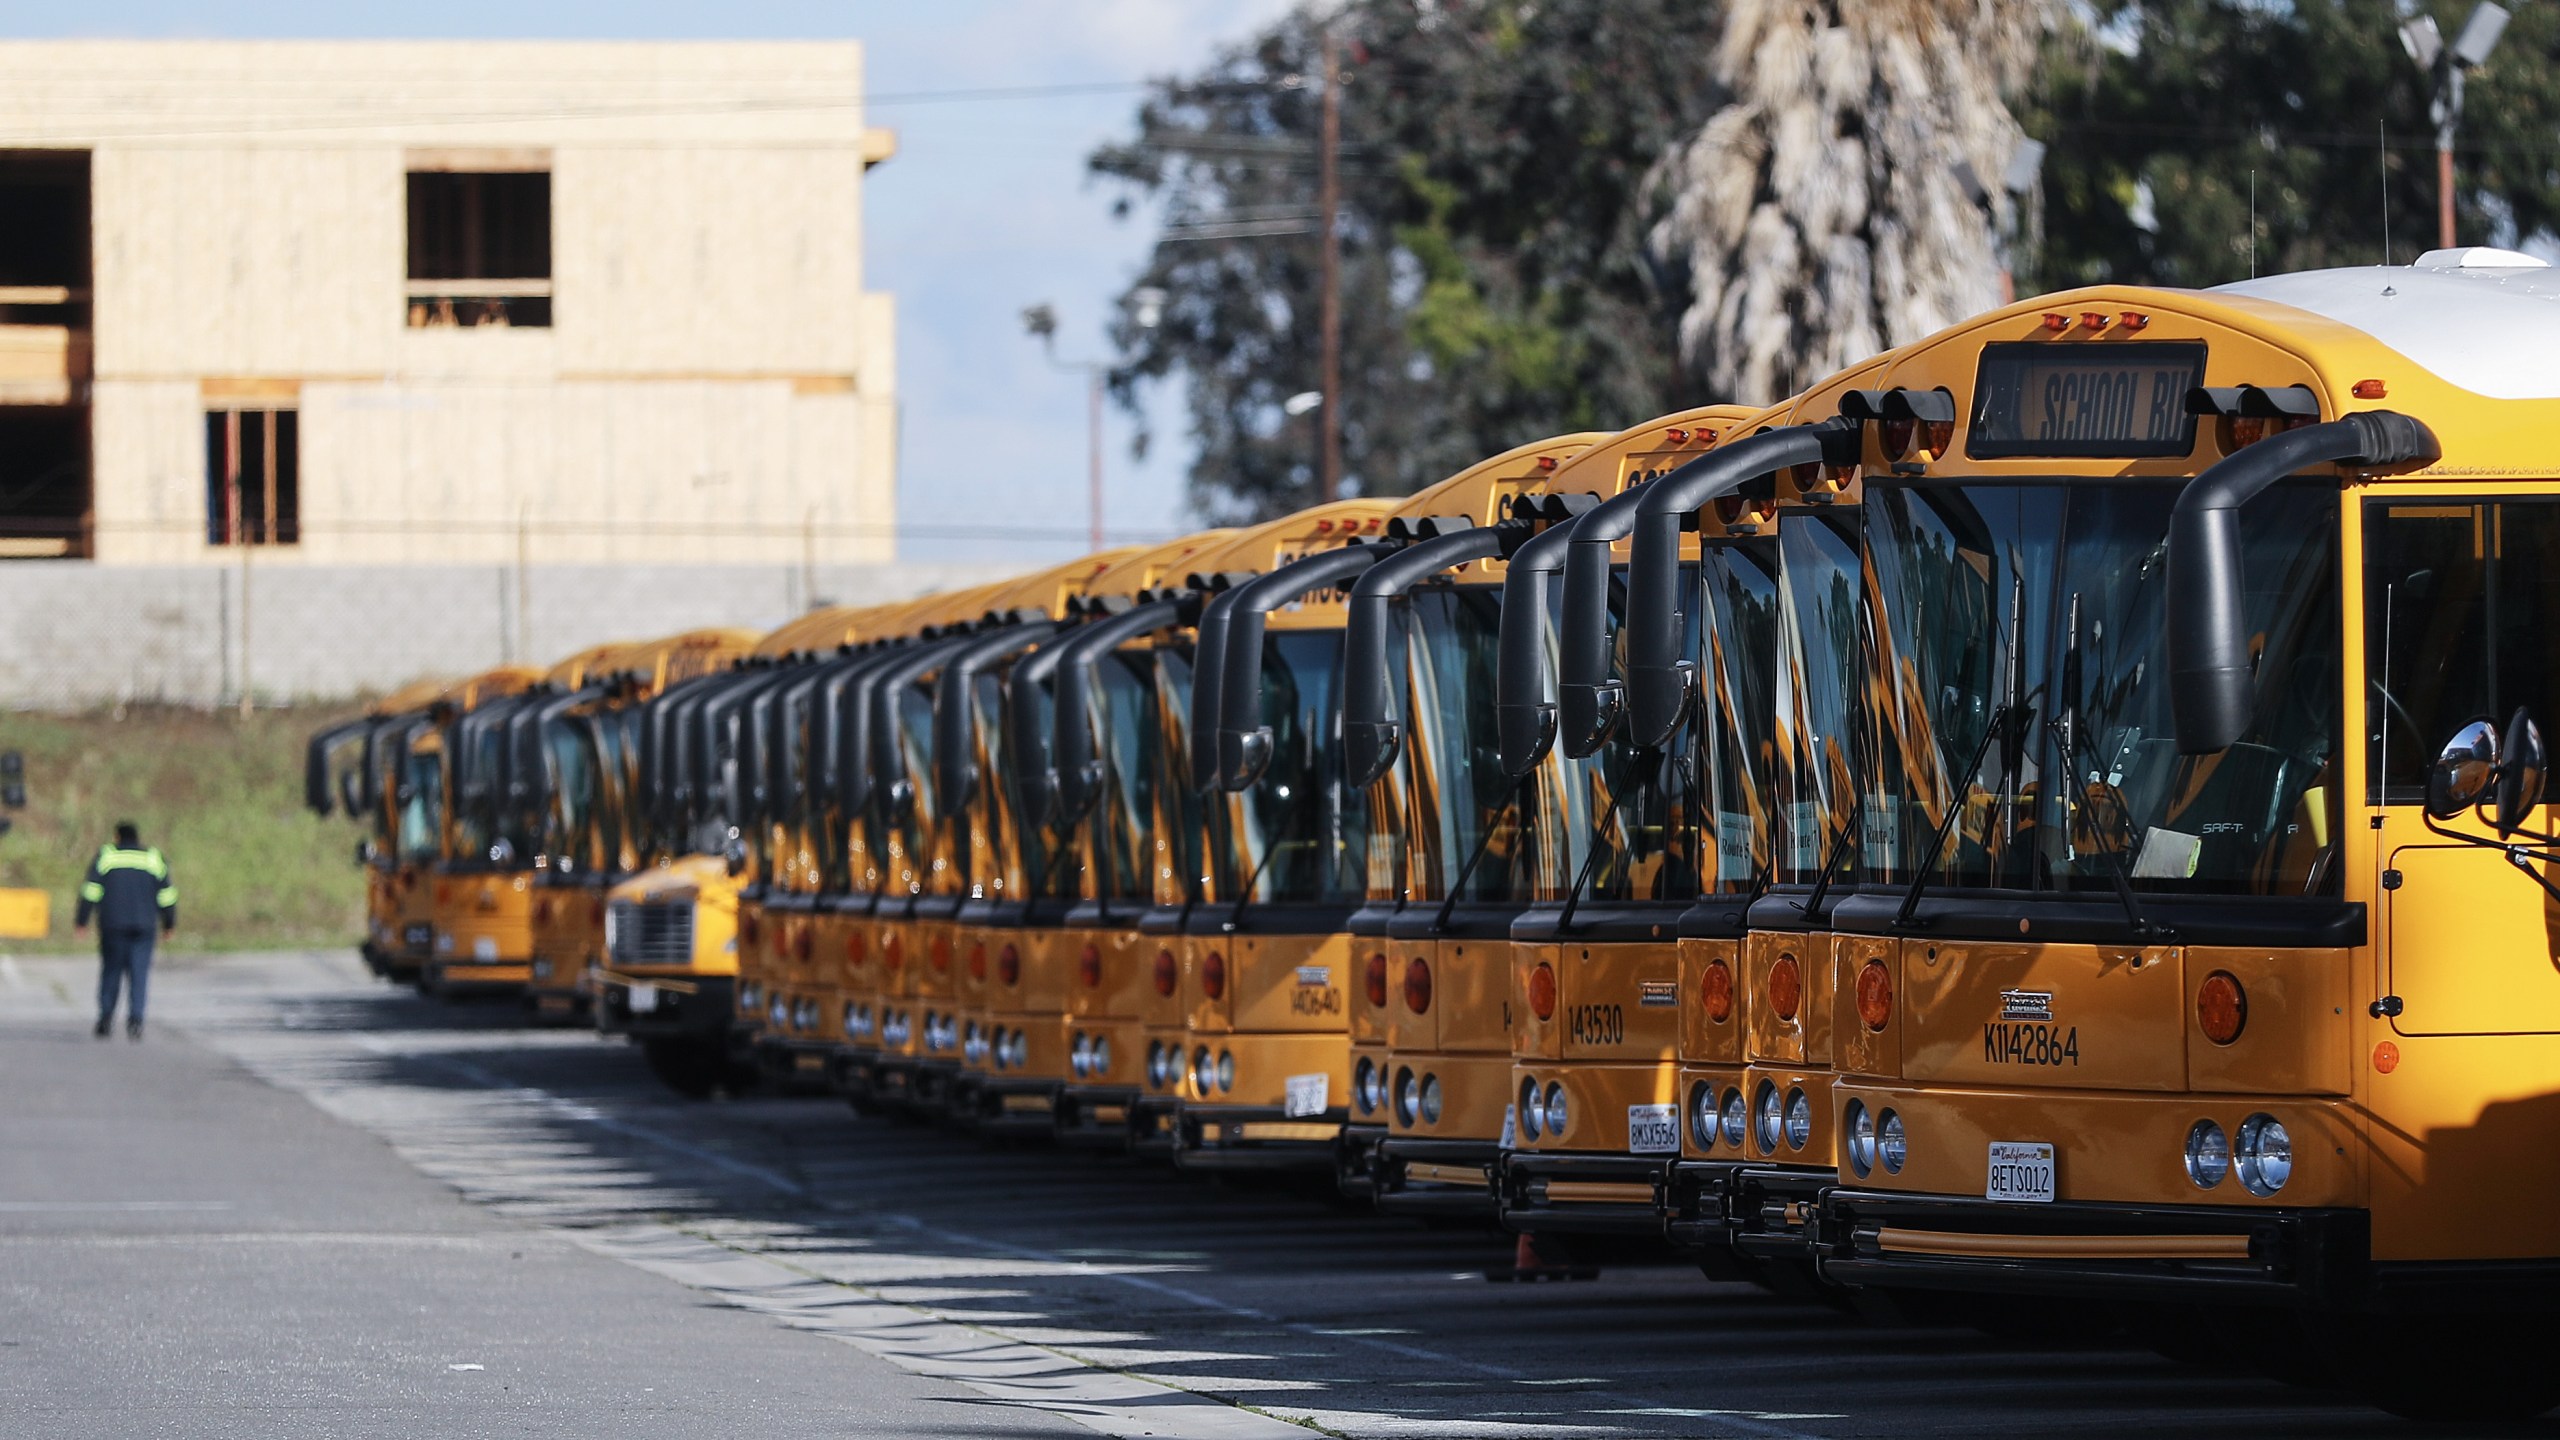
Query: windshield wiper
(1458, 887)
(2000, 721)
(1600, 831)
(2067, 732)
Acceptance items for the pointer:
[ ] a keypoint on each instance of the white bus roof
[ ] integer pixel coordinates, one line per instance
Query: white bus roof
(2484, 319)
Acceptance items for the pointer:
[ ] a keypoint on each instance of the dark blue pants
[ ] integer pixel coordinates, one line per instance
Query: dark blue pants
(123, 953)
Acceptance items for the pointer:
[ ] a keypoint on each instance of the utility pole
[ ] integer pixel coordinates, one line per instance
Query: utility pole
(1329, 281)
(1041, 323)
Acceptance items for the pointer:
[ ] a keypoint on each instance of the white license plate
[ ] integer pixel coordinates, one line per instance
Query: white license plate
(2020, 1172)
(484, 947)
(1653, 1129)
(644, 998)
(1305, 1095)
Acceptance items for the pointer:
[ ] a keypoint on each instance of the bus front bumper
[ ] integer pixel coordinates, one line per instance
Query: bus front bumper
(1257, 1137)
(1566, 1193)
(1418, 1176)
(692, 1007)
(2202, 1254)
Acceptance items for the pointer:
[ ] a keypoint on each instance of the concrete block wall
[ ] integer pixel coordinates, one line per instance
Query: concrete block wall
(75, 635)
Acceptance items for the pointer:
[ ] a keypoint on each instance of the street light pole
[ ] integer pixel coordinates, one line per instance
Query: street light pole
(2447, 65)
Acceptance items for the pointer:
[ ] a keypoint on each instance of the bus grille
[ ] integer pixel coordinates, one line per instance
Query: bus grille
(649, 932)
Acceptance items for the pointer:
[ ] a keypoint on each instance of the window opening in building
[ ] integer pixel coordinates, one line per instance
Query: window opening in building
(44, 353)
(479, 248)
(252, 477)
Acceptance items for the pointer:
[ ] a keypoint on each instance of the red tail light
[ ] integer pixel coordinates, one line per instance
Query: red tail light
(1089, 968)
(1417, 986)
(1009, 965)
(1875, 994)
(595, 912)
(804, 943)
(1542, 991)
(854, 949)
(941, 952)
(1213, 976)
(1786, 987)
(1168, 972)
(2222, 1007)
(748, 928)
(1715, 991)
(894, 953)
(1377, 982)
(978, 961)
(542, 911)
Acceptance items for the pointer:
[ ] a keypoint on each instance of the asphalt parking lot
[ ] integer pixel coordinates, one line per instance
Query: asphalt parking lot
(310, 1204)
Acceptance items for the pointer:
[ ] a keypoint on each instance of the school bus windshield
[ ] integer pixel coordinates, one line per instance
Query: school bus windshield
(1134, 752)
(2021, 675)
(1299, 834)
(422, 811)
(1452, 641)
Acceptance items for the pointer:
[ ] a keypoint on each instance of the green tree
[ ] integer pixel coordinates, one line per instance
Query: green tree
(2161, 114)
(1494, 166)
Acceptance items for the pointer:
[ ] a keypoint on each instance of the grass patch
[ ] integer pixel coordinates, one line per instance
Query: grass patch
(219, 792)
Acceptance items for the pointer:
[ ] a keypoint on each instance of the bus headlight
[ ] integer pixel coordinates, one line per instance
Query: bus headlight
(779, 1012)
(1889, 1145)
(1101, 1056)
(1702, 1115)
(1768, 1117)
(1155, 1063)
(1430, 1099)
(1533, 1109)
(1021, 1048)
(1557, 1114)
(1408, 1097)
(1080, 1055)
(2265, 1153)
(1862, 1137)
(2208, 1154)
(750, 995)
(1226, 1071)
(1733, 1122)
(1364, 1080)
(1799, 1120)
(1204, 1073)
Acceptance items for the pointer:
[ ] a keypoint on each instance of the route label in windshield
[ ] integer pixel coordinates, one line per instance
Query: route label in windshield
(2121, 400)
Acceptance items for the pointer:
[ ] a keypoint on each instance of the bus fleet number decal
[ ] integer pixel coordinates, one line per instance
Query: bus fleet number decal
(2011, 1043)
(1596, 1024)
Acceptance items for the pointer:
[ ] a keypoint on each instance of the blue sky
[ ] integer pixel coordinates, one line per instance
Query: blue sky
(986, 209)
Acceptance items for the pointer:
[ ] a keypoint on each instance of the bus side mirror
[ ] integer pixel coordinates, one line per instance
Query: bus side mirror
(735, 852)
(902, 801)
(13, 779)
(364, 852)
(350, 794)
(2463, 770)
(2520, 772)
(13, 793)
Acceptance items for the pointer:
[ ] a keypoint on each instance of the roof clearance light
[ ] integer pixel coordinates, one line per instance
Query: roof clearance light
(2370, 390)
(2134, 320)
(2095, 320)
(1676, 435)
(2056, 324)
(1324, 527)
(1546, 462)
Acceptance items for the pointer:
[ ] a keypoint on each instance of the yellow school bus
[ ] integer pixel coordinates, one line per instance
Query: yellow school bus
(937, 846)
(1638, 845)
(1013, 1047)
(2189, 970)
(483, 886)
(1065, 974)
(887, 856)
(1263, 1063)
(591, 834)
(1742, 661)
(344, 769)
(1452, 850)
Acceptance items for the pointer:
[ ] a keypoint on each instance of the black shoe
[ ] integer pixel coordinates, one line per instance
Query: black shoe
(105, 1023)
(133, 1030)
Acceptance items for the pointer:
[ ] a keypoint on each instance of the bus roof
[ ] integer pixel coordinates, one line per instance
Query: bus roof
(2482, 319)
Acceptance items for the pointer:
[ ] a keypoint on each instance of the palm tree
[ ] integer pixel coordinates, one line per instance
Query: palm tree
(1849, 196)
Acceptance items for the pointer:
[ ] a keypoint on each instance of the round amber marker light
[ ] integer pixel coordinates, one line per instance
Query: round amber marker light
(1417, 986)
(1542, 991)
(1213, 975)
(1375, 981)
(1715, 991)
(1875, 994)
(1089, 967)
(1009, 966)
(1168, 972)
(1786, 987)
(2386, 1057)
(853, 948)
(2222, 1007)
(978, 961)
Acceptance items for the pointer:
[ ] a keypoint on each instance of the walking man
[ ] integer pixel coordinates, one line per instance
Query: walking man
(129, 891)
